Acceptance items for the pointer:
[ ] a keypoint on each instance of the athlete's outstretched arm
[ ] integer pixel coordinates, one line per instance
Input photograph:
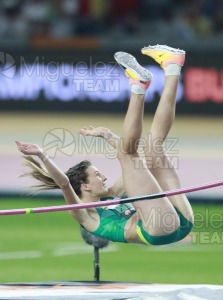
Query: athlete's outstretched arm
(57, 175)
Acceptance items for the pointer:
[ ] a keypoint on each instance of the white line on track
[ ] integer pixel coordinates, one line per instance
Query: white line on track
(20, 255)
(57, 249)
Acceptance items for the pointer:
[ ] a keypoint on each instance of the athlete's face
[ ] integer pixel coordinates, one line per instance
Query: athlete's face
(96, 184)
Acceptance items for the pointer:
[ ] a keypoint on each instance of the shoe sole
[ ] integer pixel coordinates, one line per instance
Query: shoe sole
(132, 67)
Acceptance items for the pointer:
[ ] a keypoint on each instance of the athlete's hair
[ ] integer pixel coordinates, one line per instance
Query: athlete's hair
(77, 175)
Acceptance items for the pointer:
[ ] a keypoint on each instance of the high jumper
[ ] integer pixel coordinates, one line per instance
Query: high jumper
(158, 221)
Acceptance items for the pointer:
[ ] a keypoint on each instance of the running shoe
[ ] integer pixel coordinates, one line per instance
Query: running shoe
(165, 55)
(132, 68)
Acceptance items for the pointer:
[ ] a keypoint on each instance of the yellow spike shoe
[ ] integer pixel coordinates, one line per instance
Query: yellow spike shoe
(165, 55)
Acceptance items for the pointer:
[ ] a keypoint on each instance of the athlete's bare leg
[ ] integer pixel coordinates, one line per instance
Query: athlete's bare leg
(157, 161)
(158, 216)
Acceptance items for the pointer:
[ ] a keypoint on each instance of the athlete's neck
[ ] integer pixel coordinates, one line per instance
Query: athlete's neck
(90, 198)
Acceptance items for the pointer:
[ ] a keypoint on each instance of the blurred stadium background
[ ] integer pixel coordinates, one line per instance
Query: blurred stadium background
(57, 74)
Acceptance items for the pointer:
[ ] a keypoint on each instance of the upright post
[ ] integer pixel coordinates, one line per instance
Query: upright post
(98, 243)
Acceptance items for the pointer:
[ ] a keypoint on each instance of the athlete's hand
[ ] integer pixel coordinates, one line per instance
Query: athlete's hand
(29, 149)
(98, 131)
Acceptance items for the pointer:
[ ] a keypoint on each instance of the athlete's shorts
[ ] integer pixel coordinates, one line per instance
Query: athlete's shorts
(182, 231)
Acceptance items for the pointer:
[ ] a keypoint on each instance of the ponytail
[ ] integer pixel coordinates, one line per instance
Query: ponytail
(40, 173)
